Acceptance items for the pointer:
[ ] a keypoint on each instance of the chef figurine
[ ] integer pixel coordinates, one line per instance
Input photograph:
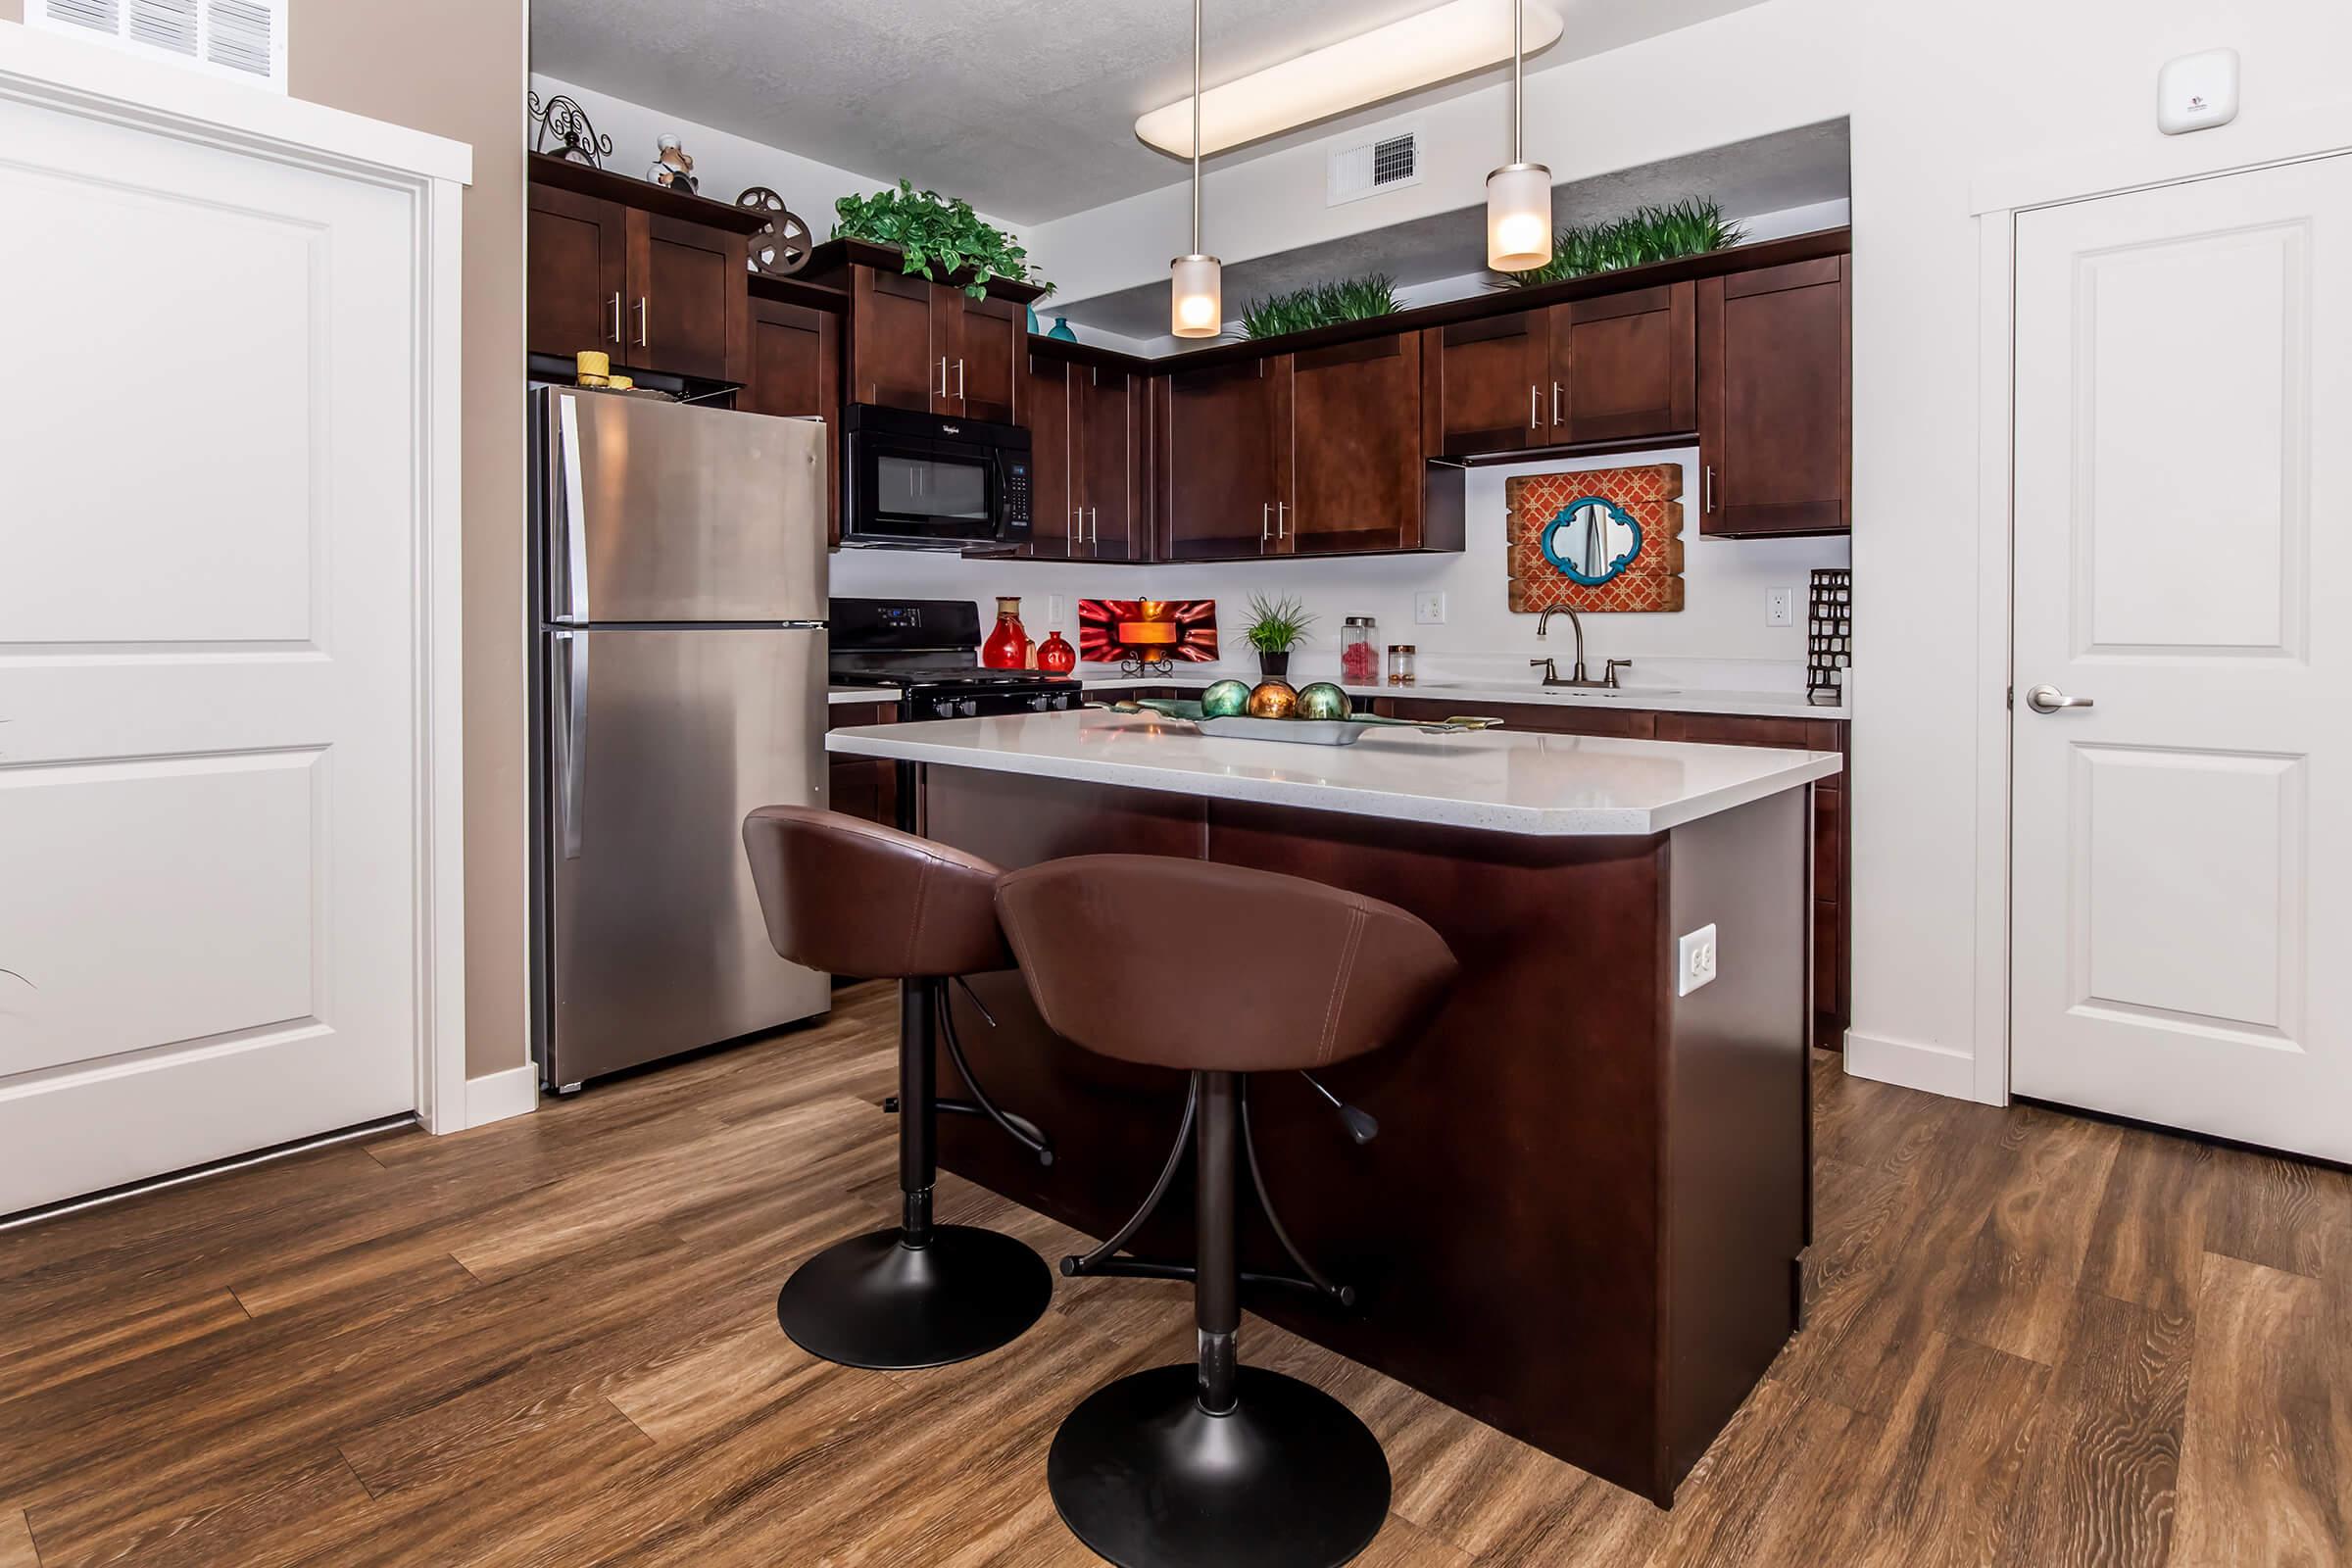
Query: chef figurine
(674, 167)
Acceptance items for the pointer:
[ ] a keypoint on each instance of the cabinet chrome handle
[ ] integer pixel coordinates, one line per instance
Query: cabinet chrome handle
(616, 315)
(644, 322)
(1282, 519)
(1555, 402)
(1094, 525)
(1265, 522)
(2049, 700)
(1535, 407)
(1709, 506)
(959, 394)
(943, 376)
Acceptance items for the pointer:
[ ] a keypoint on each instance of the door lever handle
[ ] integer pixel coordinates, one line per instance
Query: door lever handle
(2049, 700)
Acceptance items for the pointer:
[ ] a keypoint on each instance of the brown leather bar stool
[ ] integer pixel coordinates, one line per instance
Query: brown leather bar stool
(1217, 1463)
(850, 897)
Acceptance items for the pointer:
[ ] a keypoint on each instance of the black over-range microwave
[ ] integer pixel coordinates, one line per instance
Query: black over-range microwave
(932, 481)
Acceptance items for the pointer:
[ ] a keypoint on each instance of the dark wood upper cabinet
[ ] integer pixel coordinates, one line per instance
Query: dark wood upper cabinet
(1486, 386)
(1354, 449)
(792, 367)
(1623, 366)
(898, 341)
(1058, 526)
(1109, 416)
(988, 348)
(688, 305)
(1776, 400)
(1222, 459)
(578, 273)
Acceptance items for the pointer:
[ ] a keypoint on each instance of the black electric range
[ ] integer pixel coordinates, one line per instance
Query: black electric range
(930, 650)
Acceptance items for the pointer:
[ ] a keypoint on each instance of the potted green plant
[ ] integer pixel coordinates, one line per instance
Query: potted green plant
(1276, 626)
(934, 229)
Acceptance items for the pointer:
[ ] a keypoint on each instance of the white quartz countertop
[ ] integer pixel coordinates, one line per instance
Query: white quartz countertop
(1471, 692)
(1502, 781)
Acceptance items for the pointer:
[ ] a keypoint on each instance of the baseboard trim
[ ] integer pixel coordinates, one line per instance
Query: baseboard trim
(1934, 1070)
(494, 1096)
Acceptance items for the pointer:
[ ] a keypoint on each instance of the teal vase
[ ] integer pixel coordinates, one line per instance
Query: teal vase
(1035, 326)
(1061, 330)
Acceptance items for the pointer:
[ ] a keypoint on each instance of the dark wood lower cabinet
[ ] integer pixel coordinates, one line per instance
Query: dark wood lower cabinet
(864, 787)
(1832, 857)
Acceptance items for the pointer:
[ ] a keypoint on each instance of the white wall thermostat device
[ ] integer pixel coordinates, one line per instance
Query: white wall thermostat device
(2197, 92)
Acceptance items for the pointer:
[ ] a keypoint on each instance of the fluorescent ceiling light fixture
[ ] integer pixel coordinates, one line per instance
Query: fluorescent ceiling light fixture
(1453, 40)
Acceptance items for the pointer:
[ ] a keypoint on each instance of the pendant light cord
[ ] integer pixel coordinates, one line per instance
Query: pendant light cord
(1197, 127)
(1518, 88)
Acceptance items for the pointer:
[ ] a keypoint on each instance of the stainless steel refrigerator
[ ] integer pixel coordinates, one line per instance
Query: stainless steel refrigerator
(679, 673)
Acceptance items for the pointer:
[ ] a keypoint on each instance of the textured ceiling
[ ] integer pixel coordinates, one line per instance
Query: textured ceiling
(1028, 109)
(1766, 175)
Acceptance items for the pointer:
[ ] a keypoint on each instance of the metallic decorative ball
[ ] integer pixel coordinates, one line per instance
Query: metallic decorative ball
(1273, 699)
(1224, 700)
(1322, 699)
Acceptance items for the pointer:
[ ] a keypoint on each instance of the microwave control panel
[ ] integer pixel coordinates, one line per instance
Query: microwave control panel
(1016, 497)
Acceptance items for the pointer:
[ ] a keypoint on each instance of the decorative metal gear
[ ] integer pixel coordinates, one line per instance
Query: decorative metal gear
(782, 247)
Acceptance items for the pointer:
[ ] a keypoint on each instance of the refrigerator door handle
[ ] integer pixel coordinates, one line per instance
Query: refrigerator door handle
(572, 738)
(573, 512)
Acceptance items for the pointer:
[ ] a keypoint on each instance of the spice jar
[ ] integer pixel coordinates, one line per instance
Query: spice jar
(1400, 663)
(1359, 651)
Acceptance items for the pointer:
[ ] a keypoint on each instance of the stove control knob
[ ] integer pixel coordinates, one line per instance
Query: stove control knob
(944, 707)
(1041, 703)
(969, 707)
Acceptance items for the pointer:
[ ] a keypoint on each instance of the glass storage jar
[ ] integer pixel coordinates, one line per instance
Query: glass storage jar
(1400, 663)
(1359, 651)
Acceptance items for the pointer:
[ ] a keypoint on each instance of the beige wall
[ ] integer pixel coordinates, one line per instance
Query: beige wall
(457, 68)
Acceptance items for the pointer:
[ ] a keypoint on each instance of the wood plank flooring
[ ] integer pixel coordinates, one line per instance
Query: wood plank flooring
(2035, 1339)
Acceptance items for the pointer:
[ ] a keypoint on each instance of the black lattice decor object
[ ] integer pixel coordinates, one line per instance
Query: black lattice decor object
(1829, 635)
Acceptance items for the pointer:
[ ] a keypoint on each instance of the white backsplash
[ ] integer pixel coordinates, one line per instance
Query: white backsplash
(1718, 641)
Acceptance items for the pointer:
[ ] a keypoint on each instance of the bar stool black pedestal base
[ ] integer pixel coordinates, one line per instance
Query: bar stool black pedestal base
(872, 1302)
(1288, 1479)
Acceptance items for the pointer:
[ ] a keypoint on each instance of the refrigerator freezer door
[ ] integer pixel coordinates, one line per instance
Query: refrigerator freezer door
(657, 512)
(660, 742)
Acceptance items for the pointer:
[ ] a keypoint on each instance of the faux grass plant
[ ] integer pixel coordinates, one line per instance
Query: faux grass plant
(1645, 236)
(1352, 299)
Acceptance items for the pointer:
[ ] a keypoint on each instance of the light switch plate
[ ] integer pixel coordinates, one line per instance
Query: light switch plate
(1699, 960)
(1429, 610)
(1780, 606)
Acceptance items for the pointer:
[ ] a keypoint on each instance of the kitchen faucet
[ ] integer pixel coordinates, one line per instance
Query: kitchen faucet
(1576, 676)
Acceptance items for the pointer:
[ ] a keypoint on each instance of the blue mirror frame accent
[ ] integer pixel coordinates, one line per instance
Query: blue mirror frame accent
(1566, 514)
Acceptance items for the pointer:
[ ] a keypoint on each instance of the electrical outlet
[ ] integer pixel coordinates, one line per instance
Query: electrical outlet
(1053, 612)
(1780, 606)
(1429, 610)
(1699, 960)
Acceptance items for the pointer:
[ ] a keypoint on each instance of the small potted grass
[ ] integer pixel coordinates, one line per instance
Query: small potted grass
(1276, 626)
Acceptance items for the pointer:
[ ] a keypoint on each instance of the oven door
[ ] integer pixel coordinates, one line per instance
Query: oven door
(932, 491)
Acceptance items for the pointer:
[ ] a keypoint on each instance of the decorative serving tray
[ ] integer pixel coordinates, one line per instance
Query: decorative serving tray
(1298, 731)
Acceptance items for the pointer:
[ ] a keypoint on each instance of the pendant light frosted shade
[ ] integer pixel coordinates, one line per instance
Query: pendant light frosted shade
(1518, 218)
(1195, 296)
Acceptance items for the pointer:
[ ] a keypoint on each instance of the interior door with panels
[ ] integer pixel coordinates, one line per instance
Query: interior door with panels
(208, 658)
(578, 273)
(2181, 885)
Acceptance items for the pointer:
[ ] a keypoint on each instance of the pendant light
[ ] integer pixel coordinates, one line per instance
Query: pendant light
(1519, 193)
(1195, 298)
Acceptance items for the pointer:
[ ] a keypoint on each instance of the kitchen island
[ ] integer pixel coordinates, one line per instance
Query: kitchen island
(1581, 1217)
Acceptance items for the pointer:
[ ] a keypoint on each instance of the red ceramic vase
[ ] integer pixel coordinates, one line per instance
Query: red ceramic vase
(1055, 655)
(1007, 646)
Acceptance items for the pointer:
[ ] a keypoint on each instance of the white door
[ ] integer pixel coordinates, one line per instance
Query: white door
(208, 486)
(2183, 876)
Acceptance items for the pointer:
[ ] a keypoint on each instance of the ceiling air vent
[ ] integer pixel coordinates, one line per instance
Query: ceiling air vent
(243, 39)
(1390, 161)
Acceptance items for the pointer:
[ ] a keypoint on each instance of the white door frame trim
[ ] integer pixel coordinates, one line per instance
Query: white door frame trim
(1998, 195)
(92, 80)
